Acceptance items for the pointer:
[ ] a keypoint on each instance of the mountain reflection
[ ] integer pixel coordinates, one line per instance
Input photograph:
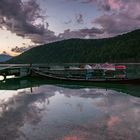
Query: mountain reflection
(51, 112)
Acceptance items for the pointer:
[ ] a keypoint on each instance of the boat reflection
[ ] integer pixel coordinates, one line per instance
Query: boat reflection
(29, 82)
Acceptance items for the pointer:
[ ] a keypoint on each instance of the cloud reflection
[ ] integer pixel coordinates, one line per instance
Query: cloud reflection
(56, 113)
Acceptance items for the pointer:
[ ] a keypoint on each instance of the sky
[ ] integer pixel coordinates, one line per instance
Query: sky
(27, 23)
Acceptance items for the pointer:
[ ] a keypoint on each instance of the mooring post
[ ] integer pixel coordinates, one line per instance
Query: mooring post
(30, 69)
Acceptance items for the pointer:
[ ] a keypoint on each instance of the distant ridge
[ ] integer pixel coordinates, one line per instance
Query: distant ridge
(4, 57)
(123, 48)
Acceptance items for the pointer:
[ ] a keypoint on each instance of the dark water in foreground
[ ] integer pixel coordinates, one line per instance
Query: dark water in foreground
(66, 112)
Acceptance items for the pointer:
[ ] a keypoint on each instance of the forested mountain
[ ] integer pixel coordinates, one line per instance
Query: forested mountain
(123, 48)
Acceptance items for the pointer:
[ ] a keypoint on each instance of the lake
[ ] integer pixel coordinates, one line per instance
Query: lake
(36, 109)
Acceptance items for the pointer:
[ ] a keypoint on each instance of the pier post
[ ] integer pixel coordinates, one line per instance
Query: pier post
(30, 69)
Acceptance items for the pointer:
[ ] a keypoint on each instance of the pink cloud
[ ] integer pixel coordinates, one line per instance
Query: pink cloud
(114, 120)
(123, 16)
(114, 4)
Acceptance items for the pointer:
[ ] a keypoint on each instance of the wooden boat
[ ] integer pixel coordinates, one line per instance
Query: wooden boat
(122, 80)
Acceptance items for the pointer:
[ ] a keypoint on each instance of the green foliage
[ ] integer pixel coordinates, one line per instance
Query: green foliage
(123, 48)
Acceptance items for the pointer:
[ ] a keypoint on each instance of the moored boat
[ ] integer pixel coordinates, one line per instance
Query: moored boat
(97, 73)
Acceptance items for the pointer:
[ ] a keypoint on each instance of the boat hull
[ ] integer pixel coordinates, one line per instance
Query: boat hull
(105, 80)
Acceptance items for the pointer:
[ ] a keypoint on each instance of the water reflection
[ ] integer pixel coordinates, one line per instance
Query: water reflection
(16, 84)
(50, 112)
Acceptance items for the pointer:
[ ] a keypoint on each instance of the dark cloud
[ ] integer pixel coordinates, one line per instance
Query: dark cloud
(19, 16)
(79, 18)
(24, 19)
(19, 49)
(5, 53)
(82, 33)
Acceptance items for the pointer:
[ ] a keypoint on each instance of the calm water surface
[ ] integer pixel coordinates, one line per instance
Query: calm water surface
(52, 112)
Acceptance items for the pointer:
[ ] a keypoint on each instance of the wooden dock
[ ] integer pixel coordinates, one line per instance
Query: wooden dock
(17, 70)
(22, 70)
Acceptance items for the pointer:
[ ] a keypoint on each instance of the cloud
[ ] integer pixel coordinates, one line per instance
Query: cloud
(81, 33)
(79, 18)
(118, 16)
(19, 49)
(4, 52)
(24, 19)
(120, 21)
(117, 24)
(19, 16)
(68, 22)
(106, 5)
